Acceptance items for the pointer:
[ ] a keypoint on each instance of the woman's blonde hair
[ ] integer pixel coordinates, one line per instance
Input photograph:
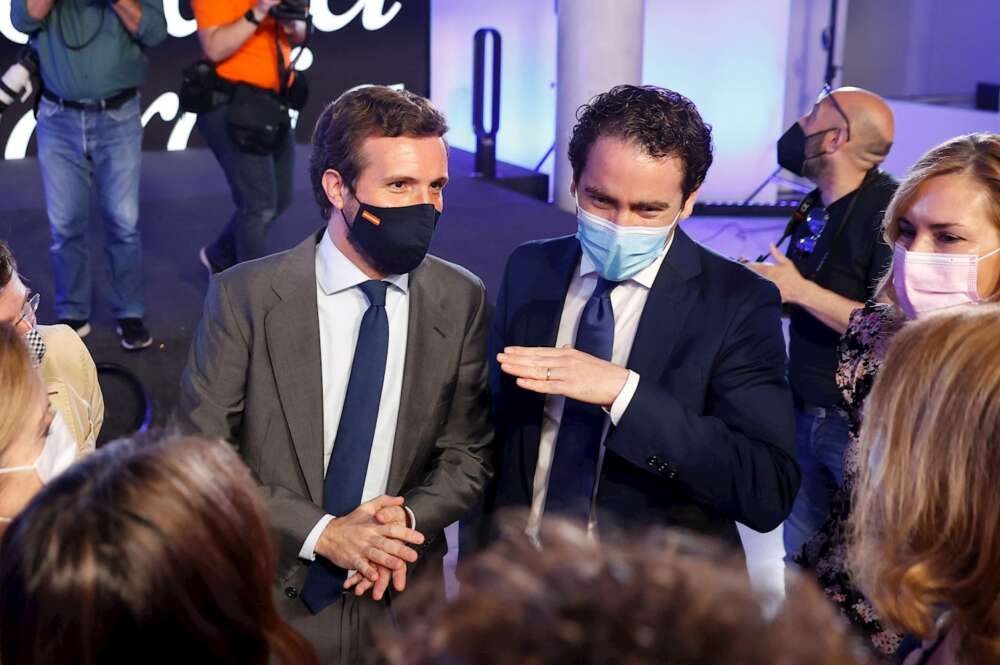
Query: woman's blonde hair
(925, 530)
(974, 155)
(21, 384)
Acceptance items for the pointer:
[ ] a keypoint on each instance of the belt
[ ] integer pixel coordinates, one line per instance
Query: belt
(109, 104)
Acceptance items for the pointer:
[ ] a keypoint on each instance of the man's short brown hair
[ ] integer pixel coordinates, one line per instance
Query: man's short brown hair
(665, 597)
(8, 266)
(347, 121)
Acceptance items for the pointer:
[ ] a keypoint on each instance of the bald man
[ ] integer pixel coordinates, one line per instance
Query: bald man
(834, 260)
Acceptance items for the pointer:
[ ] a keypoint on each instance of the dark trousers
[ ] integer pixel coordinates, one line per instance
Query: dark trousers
(261, 186)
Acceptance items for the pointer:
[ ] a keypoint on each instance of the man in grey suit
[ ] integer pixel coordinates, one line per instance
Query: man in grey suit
(350, 372)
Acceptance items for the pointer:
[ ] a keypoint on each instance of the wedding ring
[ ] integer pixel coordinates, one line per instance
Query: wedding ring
(548, 373)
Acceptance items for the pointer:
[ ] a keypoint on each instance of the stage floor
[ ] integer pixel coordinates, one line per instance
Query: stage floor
(185, 202)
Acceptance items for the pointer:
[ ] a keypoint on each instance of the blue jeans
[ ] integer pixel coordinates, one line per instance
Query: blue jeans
(77, 149)
(820, 441)
(261, 186)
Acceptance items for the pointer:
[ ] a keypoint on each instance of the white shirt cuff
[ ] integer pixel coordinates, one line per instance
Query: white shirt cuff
(624, 398)
(413, 518)
(308, 551)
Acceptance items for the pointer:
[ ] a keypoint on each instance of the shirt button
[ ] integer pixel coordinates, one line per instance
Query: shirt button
(292, 592)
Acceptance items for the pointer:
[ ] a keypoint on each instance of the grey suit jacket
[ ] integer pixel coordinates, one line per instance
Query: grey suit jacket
(254, 377)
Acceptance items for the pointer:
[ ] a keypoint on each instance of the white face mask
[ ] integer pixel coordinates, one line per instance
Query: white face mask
(58, 452)
(929, 281)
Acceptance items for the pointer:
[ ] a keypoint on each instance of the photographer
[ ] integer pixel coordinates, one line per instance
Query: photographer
(249, 129)
(93, 56)
(836, 256)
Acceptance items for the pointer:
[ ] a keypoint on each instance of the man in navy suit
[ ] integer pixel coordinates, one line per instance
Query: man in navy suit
(639, 378)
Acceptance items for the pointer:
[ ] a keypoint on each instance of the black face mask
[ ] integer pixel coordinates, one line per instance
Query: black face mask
(792, 148)
(395, 240)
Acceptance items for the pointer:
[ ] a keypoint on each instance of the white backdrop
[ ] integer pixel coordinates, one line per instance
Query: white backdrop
(729, 56)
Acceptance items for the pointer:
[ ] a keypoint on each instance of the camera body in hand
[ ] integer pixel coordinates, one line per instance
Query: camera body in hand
(16, 84)
(291, 10)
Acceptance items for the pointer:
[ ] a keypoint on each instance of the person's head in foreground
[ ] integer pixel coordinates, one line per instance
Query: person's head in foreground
(944, 222)
(664, 598)
(378, 167)
(150, 553)
(926, 524)
(28, 456)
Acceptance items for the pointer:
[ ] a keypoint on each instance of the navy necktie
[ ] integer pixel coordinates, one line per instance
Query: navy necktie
(578, 444)
(348, 466)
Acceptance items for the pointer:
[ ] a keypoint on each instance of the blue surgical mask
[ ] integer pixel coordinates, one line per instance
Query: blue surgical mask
(619, 252)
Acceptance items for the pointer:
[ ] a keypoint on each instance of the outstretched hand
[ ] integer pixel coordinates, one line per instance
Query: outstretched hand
(564, 371)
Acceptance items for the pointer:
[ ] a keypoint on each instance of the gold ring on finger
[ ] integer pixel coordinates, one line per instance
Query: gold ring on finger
(548, 373)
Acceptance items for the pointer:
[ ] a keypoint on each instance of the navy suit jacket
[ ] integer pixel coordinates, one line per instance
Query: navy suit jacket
(709, 437)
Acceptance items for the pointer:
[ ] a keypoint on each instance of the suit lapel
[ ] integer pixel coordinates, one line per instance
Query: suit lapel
(429, 335)
(292, 330)
(549, 295)
(673, 293)
(541, 328)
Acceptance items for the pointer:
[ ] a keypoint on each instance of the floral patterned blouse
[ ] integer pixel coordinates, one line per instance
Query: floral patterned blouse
(862, 349)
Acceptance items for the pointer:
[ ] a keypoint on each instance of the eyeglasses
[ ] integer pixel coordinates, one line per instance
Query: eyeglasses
(816, 220)
(827, 93)
(29, 308)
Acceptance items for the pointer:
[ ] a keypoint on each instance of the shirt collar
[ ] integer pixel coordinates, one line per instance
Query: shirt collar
(644, 277)
(335, 272)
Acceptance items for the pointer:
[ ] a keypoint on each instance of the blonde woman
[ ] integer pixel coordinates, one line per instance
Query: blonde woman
(925, 541)
(27, 459)
(944, 223)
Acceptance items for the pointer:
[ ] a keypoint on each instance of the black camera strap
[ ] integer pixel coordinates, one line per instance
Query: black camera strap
(802, 212)
(798, 217)
(869, 177)
(285, 73)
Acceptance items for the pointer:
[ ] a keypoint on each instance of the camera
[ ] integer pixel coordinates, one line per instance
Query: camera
(16, 84)
(291, 10)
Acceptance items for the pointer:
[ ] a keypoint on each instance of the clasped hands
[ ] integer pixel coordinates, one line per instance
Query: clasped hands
(373, 541)
(564, 371)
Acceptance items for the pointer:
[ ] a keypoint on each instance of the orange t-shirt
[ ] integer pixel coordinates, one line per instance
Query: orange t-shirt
(256, 61)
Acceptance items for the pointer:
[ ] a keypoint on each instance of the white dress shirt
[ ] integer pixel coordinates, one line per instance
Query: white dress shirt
(341, 306)
(627, 301)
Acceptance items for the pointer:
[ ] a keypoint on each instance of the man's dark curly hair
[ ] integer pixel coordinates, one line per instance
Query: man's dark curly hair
(357, 114)
(660, 121)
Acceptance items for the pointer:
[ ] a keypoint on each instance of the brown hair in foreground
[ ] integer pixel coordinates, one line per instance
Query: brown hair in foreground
(664, 598)
(149, 553)
(926, 528)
